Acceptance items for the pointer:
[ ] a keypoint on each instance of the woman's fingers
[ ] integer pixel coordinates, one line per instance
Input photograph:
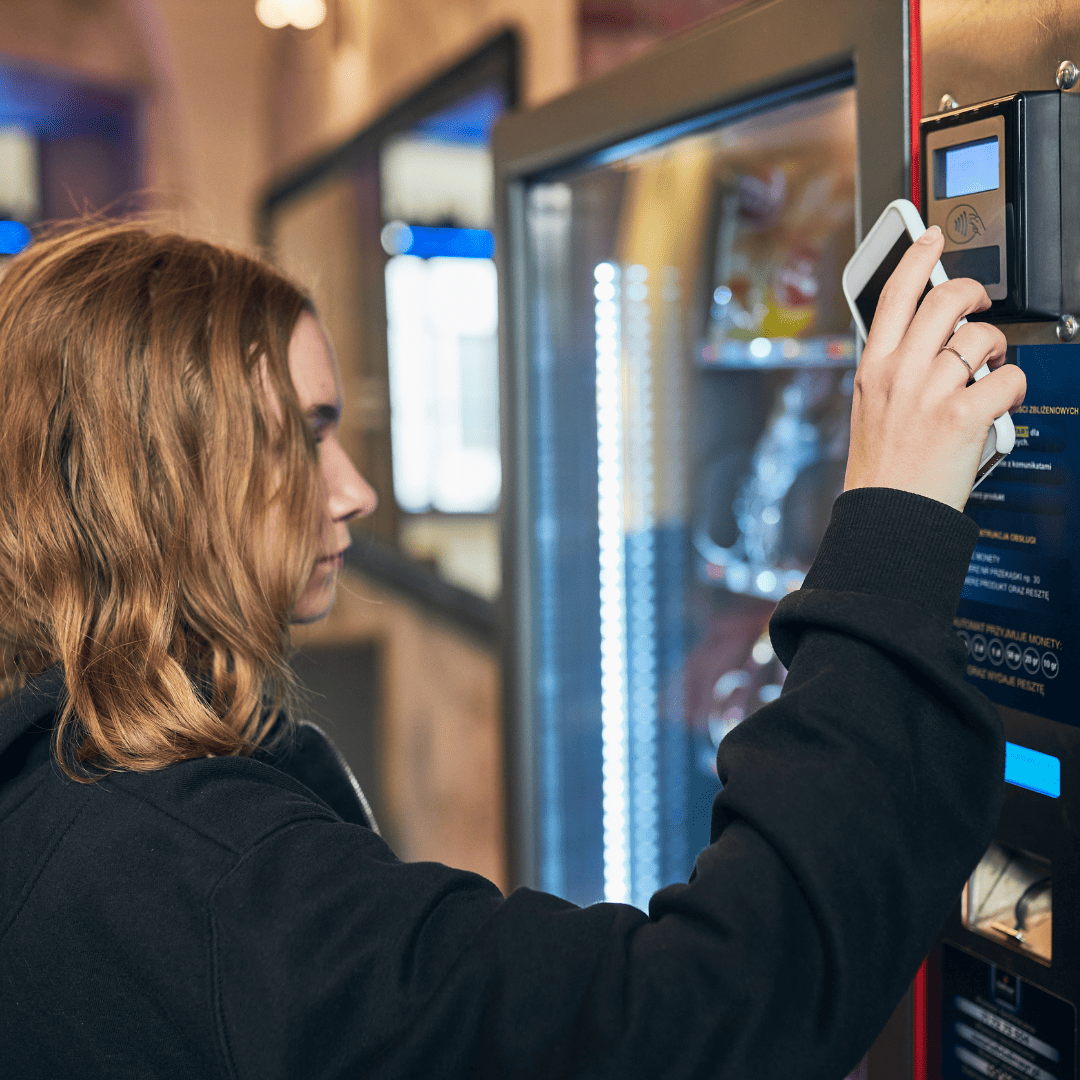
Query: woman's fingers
(928, 438)
(993, 395)
(982, 341)
(977, 344)
(900, 296)
(943, 308)
(916, 424)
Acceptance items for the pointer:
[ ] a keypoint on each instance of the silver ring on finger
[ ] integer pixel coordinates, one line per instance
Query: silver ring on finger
(960, 357)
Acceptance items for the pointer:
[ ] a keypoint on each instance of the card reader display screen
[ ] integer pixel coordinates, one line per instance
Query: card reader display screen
(971, 167)
(1018, 609)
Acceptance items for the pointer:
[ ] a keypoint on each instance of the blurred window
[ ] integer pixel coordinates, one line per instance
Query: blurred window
(438, 206)
(444, 400)
(394, 233)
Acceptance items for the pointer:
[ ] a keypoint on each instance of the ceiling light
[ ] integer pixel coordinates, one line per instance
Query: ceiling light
(306, 14)
(303, 14)
(272, 13)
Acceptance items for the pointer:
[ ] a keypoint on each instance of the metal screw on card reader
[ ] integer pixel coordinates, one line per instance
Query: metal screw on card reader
(1067, 328)
(947, 103)
(1067, 75)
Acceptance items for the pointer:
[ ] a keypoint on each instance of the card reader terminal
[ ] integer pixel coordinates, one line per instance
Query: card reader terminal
(1002, 181)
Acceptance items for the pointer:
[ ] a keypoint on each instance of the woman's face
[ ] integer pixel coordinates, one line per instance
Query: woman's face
(346, 494)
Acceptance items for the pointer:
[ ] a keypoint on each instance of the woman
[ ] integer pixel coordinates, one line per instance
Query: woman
(191, 886)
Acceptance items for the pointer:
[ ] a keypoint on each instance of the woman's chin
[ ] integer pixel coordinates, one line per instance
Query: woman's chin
(315, 603)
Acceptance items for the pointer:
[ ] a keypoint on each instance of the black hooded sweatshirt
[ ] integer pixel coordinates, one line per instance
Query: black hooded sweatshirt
(239, 917)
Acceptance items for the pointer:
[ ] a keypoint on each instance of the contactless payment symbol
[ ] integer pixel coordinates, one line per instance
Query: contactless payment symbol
(964, 224)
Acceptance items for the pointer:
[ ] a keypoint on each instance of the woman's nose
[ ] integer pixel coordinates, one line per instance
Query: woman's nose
(350, 494)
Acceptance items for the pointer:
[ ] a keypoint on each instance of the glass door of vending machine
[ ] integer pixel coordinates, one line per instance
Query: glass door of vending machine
(713, 367)
(677, 369)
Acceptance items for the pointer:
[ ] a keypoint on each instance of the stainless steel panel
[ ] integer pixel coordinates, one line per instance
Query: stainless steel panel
(976, 50)
(982, 49)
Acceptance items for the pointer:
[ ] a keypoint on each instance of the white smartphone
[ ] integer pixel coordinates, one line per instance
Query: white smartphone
(864, 277)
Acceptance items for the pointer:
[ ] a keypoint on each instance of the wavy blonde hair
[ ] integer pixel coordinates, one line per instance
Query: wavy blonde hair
(151, 434)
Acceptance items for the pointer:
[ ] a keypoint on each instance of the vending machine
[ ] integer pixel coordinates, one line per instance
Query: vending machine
(1000, 164)
(677, 371)
(677, 365)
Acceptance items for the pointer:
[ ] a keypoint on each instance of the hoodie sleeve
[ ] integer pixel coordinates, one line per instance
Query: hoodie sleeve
(852, 809)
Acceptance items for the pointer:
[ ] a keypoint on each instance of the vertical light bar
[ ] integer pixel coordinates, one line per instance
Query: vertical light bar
(613, 686)
(671, 646)
(639, 512)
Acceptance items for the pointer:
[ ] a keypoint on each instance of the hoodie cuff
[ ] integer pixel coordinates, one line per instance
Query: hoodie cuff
(893, 543)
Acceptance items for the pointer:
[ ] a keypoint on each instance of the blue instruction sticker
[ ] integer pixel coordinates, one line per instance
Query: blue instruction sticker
(1016, 609)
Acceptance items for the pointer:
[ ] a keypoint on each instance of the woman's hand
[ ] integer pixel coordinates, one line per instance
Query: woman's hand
(916, 424)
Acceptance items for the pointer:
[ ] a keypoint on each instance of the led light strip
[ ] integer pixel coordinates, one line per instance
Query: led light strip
(641, 593)
(671, 647)
(613, 682)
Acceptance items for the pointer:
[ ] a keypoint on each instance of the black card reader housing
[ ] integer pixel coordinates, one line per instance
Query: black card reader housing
(1034, 214)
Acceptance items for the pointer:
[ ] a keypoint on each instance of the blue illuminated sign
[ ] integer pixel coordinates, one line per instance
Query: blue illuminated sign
(971, 168)
(1028, 768)
(14, 236)
(427, 242)
(456, 243)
